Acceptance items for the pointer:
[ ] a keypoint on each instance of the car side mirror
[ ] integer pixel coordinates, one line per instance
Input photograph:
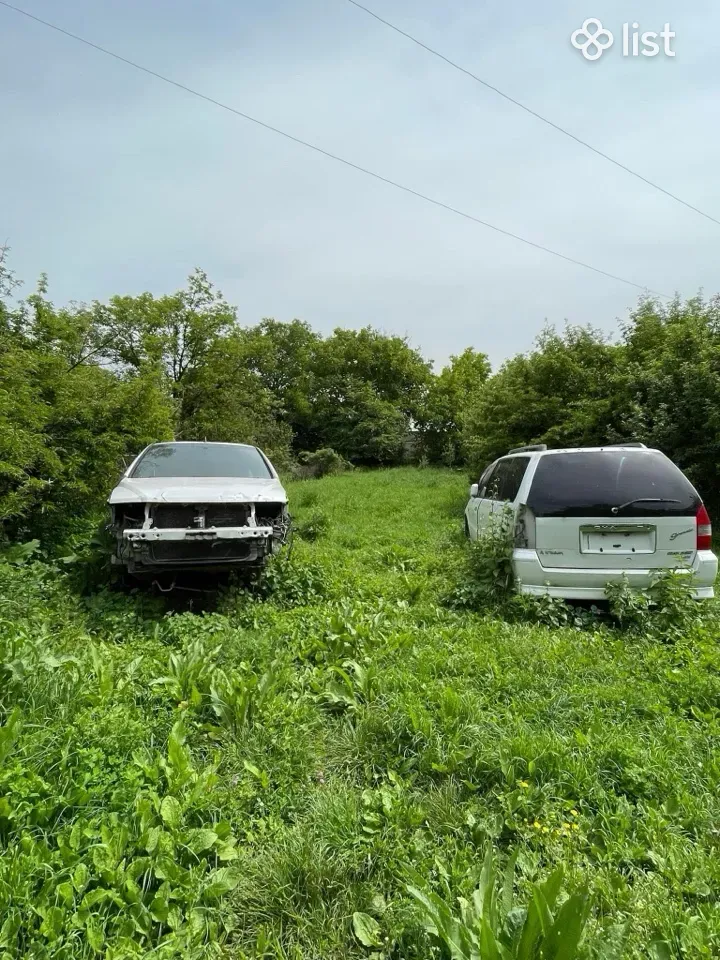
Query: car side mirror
(474, 490)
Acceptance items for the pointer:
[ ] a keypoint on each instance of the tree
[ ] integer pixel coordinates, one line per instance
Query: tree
(671, 389)
(366, 391)
(449, 396)
(561, 393)
(65, 422)
(224, 399)
(355, 422)
(397, 372)
(176, 331)
(283, 356)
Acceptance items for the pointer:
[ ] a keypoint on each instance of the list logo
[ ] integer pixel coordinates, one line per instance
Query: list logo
(592, 39)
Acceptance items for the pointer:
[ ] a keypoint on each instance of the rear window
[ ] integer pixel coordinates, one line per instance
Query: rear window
(202, 460)
(591, 484)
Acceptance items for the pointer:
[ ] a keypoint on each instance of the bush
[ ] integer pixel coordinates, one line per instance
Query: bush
(490, 564)
(486, 577)
(321, 463)
(290, 584)
(314, 527)
(664, 611)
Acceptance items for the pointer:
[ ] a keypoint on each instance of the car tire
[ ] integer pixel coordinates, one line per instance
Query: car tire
(467, 529)
(121, 581)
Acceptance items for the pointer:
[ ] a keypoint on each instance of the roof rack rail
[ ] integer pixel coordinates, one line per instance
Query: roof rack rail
(532, 448)
(633, 444)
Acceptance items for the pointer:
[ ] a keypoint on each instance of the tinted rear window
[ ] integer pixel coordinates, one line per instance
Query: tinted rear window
(202, 460)
(591, 484)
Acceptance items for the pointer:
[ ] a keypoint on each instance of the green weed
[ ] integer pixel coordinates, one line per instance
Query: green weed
(267, 780)
(490, 923)
(313, 527)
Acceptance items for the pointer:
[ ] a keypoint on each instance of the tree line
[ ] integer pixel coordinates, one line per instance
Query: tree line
(84, 387)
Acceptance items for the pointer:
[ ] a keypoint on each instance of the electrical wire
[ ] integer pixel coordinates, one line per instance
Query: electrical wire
(533, 113)
(332, 156)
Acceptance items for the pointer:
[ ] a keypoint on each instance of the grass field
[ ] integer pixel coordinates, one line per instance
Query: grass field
(269, 778)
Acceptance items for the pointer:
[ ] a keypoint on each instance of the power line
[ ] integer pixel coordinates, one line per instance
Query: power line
(533, 113)
(329, 155)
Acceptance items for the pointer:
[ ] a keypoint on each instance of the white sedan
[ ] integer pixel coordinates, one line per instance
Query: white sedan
(192, 505)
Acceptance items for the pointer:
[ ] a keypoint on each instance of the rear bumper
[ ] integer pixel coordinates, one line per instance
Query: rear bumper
(587, 584)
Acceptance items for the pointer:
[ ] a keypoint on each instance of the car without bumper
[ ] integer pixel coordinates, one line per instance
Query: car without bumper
(165, 521)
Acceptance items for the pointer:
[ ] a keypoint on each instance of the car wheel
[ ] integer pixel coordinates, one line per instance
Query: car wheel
(121, 581)
(467, 529)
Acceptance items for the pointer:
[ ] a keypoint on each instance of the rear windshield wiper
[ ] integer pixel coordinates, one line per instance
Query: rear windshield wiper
(622, 506)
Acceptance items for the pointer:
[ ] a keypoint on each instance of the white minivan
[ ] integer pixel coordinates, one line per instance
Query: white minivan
(587, 516)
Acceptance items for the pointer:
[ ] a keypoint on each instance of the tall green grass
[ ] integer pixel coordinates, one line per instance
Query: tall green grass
(340, 764)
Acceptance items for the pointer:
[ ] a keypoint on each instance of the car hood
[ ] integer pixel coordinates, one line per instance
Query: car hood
(197, 490)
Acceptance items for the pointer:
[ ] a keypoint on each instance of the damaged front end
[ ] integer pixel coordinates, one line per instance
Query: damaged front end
(156, 537)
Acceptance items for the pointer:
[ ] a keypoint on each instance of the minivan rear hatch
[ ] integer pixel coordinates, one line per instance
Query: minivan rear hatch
(613, 509)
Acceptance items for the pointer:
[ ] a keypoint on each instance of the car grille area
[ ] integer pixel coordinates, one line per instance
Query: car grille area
(172, 516)
(227, 515)
(192, 516)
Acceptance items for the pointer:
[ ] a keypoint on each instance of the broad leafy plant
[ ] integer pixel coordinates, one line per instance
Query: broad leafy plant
(491, 925)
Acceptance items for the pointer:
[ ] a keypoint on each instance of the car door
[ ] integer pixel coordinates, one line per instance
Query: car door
(475, 505)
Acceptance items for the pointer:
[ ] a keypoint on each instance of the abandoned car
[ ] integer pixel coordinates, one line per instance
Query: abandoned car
(584, 517)
(197, 506)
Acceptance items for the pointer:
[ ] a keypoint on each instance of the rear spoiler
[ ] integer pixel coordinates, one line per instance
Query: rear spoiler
(616, 446)
(533, 448)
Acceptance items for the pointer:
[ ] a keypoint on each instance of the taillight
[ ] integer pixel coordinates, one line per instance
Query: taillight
(704, 529)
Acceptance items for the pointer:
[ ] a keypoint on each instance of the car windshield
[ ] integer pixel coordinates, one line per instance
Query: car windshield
(590, 483)
(202, 460)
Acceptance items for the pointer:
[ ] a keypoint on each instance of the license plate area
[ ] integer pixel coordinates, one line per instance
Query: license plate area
(618, 539)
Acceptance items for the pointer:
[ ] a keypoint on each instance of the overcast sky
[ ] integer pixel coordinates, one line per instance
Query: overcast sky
(113, 182)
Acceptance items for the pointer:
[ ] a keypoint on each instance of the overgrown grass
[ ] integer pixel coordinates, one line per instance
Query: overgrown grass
(319, 768)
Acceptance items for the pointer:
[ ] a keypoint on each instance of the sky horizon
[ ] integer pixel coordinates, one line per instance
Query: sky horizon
(116, 183)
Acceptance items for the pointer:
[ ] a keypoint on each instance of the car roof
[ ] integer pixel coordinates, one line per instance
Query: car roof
(201, 443)
(609, 449)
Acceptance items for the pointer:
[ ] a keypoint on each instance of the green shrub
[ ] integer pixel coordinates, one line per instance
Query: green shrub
(313, 527)
(491, 557)
(290, 583)
(665, 610)
(322, 463)
(487, 577)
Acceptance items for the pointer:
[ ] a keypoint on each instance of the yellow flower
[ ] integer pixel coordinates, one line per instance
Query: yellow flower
(523, 783)
(536, 825)
(573, 813)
